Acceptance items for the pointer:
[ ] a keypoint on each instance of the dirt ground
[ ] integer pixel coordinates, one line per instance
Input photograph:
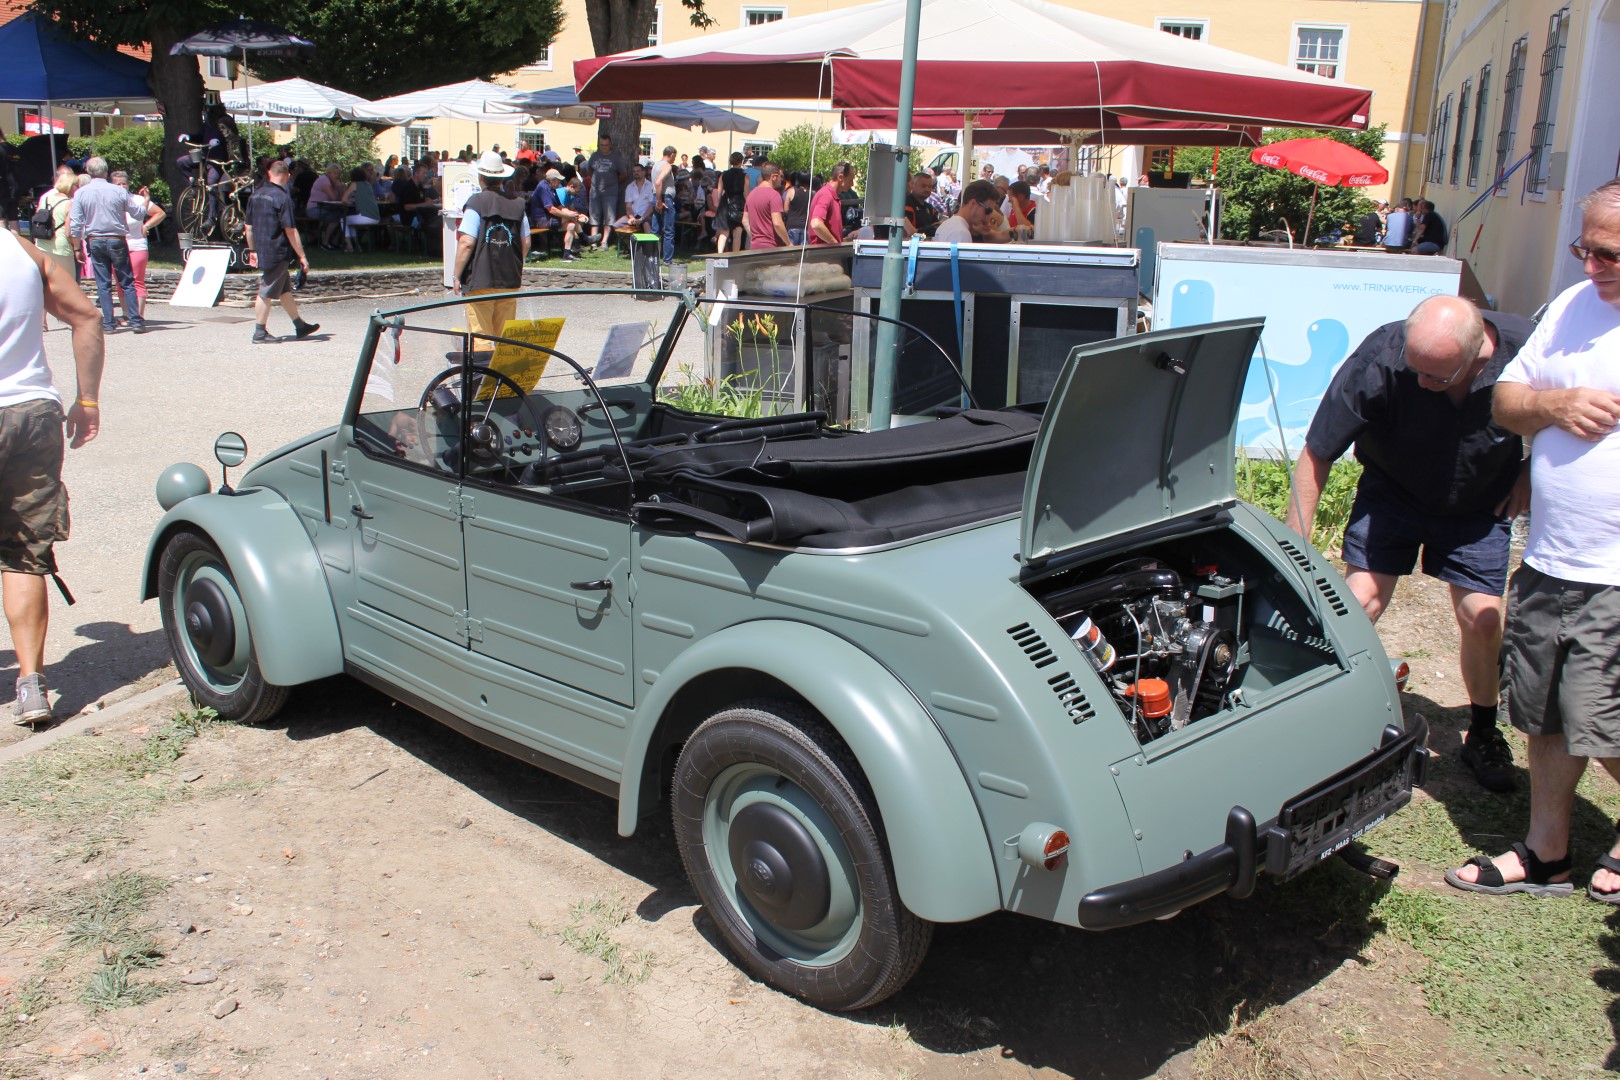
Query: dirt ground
(356, 892)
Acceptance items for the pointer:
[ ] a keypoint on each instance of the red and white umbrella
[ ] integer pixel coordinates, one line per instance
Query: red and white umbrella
(1324, 161)
(989, 55)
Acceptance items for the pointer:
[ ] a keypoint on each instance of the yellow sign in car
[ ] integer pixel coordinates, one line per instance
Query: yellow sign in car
(523, 365)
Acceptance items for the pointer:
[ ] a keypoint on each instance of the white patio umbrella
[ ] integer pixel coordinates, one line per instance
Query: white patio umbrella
(476, 100)
(294, 99)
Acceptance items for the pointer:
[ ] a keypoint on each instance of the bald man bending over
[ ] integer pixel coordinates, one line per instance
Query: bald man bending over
(1439, 477)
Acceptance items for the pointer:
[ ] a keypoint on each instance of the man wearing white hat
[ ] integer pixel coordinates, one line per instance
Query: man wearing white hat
(491, 244)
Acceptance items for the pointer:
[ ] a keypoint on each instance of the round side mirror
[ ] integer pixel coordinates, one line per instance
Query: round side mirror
(230, 449)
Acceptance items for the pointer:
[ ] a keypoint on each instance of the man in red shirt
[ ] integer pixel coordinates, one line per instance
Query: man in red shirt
(763, 211)
(825, 222)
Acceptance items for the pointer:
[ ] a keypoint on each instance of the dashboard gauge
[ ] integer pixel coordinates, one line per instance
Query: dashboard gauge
(562, 426)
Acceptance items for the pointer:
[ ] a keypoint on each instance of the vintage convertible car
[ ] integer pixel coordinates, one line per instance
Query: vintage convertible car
(1038, 659)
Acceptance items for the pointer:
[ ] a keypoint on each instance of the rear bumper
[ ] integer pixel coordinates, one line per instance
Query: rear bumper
(1309, 828)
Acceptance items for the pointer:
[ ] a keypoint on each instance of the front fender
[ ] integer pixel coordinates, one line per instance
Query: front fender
(943, 859)
(277, 572)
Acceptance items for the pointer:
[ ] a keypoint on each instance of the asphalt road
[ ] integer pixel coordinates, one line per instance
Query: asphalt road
(165, 396)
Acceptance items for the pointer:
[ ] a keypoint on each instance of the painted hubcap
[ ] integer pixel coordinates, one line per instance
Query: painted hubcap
(208, 622)
(779, 868)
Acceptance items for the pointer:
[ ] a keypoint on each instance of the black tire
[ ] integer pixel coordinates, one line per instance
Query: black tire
(206, 624)
(815, 911)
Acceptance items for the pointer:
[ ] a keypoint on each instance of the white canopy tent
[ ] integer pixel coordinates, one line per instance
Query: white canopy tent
(292, 99)
(476, 100)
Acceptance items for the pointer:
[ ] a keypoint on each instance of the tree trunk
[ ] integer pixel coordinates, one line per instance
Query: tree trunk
(619, 26)
(177, 84)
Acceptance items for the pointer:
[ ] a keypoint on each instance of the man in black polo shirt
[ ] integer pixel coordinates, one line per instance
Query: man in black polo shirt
(1439, 475)
(272, 235)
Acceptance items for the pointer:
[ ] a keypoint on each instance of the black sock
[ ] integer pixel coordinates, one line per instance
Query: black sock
(1482, 719)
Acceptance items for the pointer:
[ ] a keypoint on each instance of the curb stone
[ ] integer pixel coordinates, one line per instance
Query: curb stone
(84, 721)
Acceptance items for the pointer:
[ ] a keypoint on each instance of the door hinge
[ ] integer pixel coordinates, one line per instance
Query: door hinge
(338, 470)
(462, 507)
(468, 629)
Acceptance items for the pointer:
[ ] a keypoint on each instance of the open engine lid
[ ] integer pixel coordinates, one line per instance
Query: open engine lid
(1139, 430)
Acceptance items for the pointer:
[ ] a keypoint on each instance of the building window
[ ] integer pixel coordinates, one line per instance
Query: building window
(757, 149)
(655, 36)
(1463, 100)
(645, 149)
(541, 62)
(1438, 134)
(22, 120)
(219, 67)
(1552, 70)
(759, 16)
(1508, 133)
(416, 142)
(1187, 28)
(531, 139)
(1320, 50)
(1161, 159)
(1476, 142)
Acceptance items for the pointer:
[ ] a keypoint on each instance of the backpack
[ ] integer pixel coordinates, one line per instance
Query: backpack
(42, 226)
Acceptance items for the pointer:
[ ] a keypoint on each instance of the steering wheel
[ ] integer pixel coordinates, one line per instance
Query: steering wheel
(486, 442)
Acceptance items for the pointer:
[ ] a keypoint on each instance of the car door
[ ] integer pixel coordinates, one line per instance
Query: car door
(548, 552)
(403, 492)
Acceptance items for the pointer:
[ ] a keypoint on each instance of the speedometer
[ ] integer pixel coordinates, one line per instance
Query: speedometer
(562, 426)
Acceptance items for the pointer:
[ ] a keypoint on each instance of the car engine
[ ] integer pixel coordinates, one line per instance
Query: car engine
(1168, 647)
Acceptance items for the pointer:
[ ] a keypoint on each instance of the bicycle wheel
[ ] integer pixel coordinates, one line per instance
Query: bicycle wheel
(232, 223)
(191, 210)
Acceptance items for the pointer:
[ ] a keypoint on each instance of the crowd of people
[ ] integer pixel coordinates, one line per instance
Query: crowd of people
(1409, 227)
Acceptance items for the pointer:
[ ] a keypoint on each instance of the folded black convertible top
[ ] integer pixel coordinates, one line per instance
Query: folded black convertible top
(859, 489)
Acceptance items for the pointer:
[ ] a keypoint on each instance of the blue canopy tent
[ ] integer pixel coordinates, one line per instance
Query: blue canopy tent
(562, 103)
(44, 66)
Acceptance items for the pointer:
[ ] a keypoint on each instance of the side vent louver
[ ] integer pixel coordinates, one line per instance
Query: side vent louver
(1332, 596)
(1302, 560)
(1069, 696)
(1029, 639)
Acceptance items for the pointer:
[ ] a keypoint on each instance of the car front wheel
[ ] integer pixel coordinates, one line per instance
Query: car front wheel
(206, 624)
(780, 837)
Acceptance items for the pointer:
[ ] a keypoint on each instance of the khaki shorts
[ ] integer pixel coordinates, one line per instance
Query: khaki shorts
(33, 501)
(1562, 661)
(490, 317)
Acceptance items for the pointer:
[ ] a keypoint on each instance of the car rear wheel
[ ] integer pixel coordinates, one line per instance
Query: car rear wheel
(206, 624)
(780, 837)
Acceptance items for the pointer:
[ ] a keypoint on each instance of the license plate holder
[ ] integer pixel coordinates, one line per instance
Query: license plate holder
(1319, 823)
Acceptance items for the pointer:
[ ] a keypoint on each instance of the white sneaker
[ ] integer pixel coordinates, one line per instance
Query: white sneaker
(33, 700)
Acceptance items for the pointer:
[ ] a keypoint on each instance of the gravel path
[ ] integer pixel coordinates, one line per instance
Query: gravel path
(165, 396)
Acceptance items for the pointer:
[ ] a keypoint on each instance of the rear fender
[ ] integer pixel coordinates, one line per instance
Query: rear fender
(277, 572)
(942, 856)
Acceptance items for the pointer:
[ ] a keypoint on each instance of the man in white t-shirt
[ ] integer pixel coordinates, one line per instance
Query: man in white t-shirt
(639, 199)
(973, 217)
(1561, 678)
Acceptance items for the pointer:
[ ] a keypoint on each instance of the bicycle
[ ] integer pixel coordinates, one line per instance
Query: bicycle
(193, 208)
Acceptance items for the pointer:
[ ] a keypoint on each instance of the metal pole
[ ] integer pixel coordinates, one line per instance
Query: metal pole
(247, 103)
(883, 363)
(965, 171)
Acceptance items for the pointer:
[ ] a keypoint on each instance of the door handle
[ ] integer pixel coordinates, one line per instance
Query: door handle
(360, 512)
(597, 585)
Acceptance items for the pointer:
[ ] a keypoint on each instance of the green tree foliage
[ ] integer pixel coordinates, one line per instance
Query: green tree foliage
(808, 148)
(345, 145)
(1259, 198)
(376, 48)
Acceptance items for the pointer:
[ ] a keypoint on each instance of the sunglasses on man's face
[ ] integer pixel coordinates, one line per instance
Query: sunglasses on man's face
(1605, 256)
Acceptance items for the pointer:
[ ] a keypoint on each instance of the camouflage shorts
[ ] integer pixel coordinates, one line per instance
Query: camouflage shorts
(33, 501)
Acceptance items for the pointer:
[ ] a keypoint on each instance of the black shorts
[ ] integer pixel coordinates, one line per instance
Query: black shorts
(1386, 533)
(273, 281)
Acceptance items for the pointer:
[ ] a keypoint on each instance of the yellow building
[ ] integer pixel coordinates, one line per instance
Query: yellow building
(1523, 81)
(1379, 44)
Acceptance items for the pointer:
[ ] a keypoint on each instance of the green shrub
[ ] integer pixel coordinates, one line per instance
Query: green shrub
(1265, 482)
(330, 142)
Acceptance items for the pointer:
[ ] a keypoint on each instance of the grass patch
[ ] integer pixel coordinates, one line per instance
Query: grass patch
(1264, 481)
(86, 789)
(33, 998)
(590, 931)
(110, 987)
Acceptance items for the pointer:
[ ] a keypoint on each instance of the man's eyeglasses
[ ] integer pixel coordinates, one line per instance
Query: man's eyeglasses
(1603, 255)
(1435, 380)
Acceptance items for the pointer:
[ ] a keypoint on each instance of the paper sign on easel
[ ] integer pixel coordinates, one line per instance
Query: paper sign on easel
(203, 277)
(524, 366)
